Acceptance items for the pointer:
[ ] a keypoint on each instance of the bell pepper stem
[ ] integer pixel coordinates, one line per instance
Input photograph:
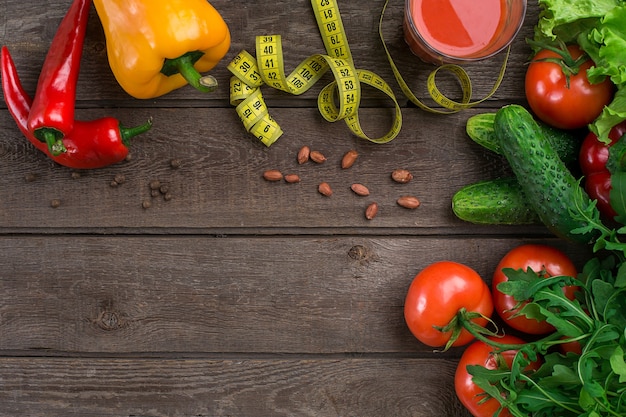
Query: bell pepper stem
(126, 133)
(54, 139)
(184, 65)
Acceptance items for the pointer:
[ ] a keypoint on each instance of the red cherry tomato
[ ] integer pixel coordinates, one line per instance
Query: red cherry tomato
(598, 186)
(594, 154)
(542, 259)
(592, 158)
(560, 105)
(480, 353)
(435, 296)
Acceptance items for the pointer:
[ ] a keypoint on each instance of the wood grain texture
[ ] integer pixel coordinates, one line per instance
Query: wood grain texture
(228, 387)
(239, 297)
(234, 294)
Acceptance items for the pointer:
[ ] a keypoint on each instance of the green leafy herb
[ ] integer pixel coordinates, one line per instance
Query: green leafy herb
(567, 384)
(599, 27)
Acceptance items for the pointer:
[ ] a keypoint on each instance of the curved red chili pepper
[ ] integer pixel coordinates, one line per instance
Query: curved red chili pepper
(52, 112)
(91, 144)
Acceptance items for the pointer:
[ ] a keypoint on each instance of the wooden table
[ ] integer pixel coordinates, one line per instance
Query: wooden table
(237, 296)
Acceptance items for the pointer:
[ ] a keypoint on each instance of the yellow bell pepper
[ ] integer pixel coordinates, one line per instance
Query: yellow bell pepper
(156, 46)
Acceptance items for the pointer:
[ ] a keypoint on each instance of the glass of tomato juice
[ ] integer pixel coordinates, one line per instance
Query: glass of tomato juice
(461, 31)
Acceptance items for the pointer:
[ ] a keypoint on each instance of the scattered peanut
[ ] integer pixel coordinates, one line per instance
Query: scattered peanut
(324, 189)
(371, 211)
(317, 157)
(292, 178)
(273, 175)
(401, 176)
(349, 159)
(408, 201)
(360, 189)
(303, 154)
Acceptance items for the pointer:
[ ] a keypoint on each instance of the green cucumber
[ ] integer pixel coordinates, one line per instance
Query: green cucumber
(549, 186)
(497, 201)
(480, 128)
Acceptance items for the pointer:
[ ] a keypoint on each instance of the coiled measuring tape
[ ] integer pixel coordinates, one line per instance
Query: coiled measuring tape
(448, 105)
(250, 73)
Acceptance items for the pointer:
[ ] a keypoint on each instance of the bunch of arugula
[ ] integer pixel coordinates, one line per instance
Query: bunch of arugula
(591, 383)
(599, 27)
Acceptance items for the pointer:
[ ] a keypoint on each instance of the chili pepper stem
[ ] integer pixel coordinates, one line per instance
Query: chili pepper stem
(184, 65)
(126, 133)
(53, 139)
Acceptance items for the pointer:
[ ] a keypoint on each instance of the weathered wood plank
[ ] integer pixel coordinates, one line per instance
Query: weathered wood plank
(238, 297)
(291, 295)
(220, 185)
(370, 387)
(29, 35)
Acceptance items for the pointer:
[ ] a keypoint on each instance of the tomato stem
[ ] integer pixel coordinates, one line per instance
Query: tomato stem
(568, 64)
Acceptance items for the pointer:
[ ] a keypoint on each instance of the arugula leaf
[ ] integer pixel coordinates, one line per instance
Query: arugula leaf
(618, 364)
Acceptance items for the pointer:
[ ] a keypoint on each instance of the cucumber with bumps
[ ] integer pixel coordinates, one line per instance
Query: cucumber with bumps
(549, 186)
(498, 201)
(480, 128)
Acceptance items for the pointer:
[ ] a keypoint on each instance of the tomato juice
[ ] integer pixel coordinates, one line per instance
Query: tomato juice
(461, 30)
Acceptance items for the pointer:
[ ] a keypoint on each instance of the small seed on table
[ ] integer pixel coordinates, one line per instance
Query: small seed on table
(317, 157)
(273, 175)
(371, 211)
(349, 159)
(360, 189)
(292, 178)
(401, 176)
(408, 201)
(155, 184)
(324, 189)
(303, 154)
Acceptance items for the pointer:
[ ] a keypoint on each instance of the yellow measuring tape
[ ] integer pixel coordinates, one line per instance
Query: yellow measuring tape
(449, 105)
(249, 74)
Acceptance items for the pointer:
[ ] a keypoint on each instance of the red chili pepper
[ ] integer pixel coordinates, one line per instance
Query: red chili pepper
(91, 144)
(52, 112)
(593, 158)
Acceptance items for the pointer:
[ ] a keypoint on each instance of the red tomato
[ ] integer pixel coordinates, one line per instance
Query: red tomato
(594, 154)
(592, 158)
(480, 353)
(435, 296)
(598, 186)
(542, 259)
(555, 103)
(574, 347)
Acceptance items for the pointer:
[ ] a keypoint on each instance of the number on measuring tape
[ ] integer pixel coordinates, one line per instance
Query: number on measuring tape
(249, 74)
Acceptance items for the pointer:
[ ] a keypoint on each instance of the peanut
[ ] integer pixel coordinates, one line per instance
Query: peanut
(324, 189)
(408, 201)
(292, 178)
(303, 154)
(349, 159)
(360, 189)
(273, 175)
(317, 157)
(371, 211)
(401, 176)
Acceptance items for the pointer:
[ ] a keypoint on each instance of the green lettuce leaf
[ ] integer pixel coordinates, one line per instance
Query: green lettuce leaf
(559, 17)
(599, 27)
